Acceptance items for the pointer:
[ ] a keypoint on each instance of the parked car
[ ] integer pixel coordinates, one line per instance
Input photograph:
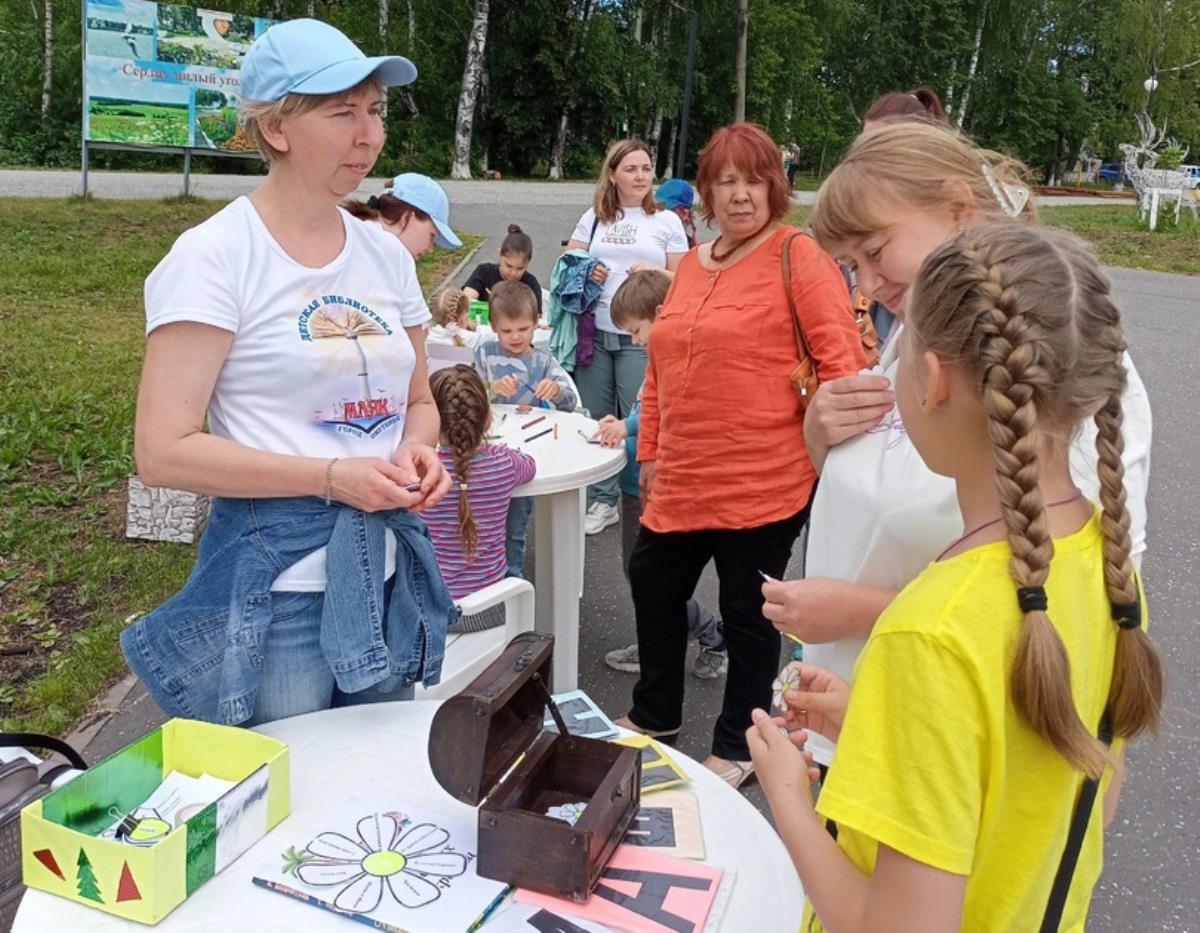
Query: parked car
(1110, 172)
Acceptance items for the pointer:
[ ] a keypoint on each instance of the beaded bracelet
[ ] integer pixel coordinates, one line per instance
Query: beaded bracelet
(329, 481)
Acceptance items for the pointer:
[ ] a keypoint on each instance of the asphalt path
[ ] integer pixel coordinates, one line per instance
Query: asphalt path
(1153, 847)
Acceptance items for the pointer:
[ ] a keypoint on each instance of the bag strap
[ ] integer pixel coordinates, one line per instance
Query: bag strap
(1075, 835)
(45, 742)
(592, 236)
(801, 343)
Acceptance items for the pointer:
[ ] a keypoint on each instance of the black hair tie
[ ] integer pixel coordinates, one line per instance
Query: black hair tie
(373, 203)
(1032, 598)
(1128, 615)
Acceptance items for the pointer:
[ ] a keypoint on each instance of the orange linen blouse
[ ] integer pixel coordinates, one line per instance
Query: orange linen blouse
(720, 418)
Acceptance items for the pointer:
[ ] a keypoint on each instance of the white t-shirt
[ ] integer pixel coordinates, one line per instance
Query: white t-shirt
(320, 362)
(634, 237)
(880, 516)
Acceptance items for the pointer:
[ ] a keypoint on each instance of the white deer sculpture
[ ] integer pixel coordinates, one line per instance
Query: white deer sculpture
(1154, 184)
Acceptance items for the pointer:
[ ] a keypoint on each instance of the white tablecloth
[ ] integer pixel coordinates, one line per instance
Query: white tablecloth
(338, 753)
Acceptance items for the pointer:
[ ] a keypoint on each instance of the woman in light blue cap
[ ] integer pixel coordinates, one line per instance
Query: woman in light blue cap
(297, 333)
(414, 208)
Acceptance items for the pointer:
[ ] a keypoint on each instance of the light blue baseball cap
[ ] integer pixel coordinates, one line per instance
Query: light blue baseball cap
(425, 194)
(306, 56)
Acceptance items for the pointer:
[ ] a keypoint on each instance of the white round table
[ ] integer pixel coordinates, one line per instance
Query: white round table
(565, 468)
(338, 753)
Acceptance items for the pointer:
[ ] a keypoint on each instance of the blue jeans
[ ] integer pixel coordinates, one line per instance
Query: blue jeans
(610, 387)
(516, 530)
(295, 676)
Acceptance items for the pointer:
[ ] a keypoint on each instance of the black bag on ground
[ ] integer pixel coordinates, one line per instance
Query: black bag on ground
(22, 782)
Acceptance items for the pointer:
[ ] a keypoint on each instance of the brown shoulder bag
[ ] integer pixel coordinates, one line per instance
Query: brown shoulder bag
(804, 377)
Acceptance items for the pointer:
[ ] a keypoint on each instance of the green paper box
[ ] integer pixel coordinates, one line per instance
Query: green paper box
(61, 852)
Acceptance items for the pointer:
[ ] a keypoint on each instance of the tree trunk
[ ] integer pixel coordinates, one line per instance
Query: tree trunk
(670, 170)
(484, 104)
(48, 59)
(973, 67)
(560, 143)
(412, 29)
(948, 103)
(465, 121)
(743, 26)
(311, 9)
(276, 9)
(564, 115)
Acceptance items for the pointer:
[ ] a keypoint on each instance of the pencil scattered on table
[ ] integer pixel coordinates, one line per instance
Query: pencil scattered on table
(556, 430)
(530, 424)
(539, 434)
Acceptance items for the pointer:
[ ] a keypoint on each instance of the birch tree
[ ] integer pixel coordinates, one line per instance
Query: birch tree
(564, 117)
(472, 70)
(48, 58)
(973, 67)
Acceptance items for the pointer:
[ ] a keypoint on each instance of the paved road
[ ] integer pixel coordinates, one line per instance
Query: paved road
(37, 183)
(1154, 846)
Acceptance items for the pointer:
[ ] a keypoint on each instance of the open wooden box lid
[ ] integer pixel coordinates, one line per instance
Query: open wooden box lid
(478, 735)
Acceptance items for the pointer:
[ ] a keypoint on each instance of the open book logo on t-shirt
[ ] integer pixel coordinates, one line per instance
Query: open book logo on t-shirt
(623, 232)
(361, 410)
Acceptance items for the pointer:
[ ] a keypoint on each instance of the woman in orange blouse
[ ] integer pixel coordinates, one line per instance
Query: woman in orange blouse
(725, 474)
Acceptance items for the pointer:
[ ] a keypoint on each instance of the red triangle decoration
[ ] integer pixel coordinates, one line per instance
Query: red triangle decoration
(46, 857)
(127, 889)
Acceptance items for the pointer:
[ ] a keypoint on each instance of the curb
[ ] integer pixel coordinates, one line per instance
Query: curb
(102, 709)
(457, 269)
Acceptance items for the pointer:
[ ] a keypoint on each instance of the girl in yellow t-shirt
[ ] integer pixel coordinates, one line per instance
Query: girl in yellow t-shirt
(976, 705)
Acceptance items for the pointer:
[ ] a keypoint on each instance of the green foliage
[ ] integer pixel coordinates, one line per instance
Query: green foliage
(1170, 157)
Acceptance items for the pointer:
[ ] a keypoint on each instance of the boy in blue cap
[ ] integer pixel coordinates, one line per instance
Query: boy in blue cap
(677, 196)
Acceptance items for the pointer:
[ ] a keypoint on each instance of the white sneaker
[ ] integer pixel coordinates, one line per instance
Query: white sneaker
(600, 516)
(624, 659)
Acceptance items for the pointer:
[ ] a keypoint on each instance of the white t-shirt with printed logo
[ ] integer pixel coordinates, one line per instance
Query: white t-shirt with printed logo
(320, 362)
(634, 237)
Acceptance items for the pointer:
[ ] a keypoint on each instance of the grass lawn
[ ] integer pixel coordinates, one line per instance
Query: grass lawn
(1116, 236)
(71, 338)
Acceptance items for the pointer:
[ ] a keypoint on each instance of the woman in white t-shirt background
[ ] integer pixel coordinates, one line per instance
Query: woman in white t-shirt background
(298, 332)
(880, 516)
(627, 230)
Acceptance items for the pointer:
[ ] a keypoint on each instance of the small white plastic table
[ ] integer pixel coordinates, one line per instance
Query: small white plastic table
(338, 753)
(565, 468)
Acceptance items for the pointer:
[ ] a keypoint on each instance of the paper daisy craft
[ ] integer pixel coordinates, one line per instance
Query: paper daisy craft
(386, 857)
(788, 680)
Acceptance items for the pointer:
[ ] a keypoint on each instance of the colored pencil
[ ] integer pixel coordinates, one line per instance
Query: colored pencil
(530, 424)
(556, 430)
(542, 403)
(539, 434)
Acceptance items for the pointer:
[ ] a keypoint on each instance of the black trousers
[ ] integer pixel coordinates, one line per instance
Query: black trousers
(664, 570)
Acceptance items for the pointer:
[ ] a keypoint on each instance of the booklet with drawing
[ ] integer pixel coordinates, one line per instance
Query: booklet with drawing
(386, 864)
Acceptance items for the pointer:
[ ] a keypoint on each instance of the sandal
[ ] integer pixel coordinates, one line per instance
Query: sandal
(734, 773)
(666, 735)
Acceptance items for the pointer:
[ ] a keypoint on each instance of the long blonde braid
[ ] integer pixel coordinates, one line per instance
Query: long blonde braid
(1016, 304)
(462, 403)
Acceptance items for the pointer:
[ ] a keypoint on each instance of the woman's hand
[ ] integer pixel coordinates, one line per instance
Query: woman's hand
(421, 463)
(600, 273)
(612, 431)
(784, 770)
(818, 702)
(646, 481)
(371, 484)
(844, 408)
(547, 390)
(811, 609)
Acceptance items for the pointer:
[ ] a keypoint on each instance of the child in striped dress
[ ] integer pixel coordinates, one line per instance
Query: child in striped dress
(468, 526)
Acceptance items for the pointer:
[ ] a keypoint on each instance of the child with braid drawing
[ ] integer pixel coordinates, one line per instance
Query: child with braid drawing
(468, 526)
(990, 706)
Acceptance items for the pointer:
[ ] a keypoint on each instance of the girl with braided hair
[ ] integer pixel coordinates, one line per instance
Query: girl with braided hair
(880, 515)
(468, 526)
(977, 731)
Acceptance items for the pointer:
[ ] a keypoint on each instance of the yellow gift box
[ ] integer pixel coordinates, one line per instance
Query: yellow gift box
(62, 854)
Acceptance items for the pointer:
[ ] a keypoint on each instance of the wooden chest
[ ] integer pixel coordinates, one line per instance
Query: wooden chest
(487, 747)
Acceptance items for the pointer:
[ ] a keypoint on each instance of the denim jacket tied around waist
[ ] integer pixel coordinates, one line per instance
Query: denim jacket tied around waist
(200, 653)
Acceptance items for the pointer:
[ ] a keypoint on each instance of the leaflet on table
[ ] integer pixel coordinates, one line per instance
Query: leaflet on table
(643, 892)
(386, 864)
(178, 798)
(582, 716)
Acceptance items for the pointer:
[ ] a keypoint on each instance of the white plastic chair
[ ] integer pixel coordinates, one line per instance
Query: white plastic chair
(467, 654)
